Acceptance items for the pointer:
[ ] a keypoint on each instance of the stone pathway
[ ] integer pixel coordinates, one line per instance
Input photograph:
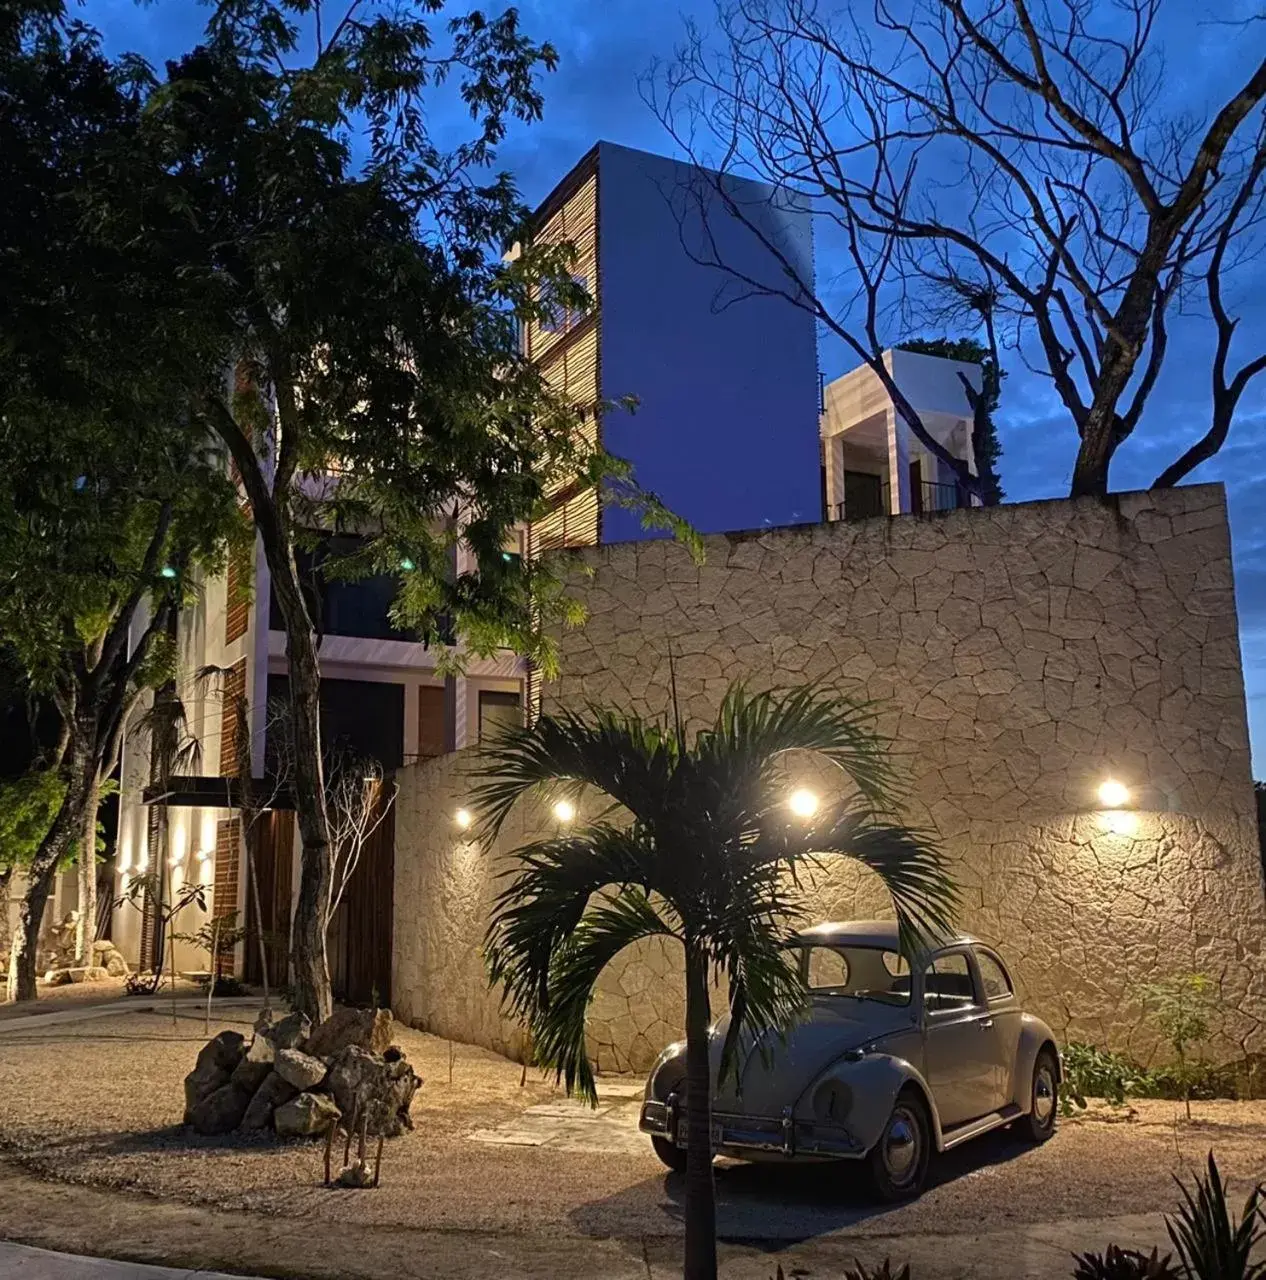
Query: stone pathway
(132, 1004)
(20, 1262)
(571, 1125)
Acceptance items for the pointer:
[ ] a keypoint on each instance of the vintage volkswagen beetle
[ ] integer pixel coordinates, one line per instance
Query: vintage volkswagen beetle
(891, 1063)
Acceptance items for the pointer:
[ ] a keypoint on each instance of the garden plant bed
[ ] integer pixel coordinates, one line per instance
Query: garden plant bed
(99, 1104)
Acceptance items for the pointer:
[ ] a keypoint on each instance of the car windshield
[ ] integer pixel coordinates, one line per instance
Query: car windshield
(864, 973)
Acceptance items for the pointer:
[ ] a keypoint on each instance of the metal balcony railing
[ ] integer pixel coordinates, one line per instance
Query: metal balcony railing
(925, 497)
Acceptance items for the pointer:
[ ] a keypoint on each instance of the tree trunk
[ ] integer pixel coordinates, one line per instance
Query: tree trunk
(24, 949)
(311, 984)
(701, 1222)
(86, 929)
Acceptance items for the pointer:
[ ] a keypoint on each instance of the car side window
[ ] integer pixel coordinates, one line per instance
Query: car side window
(947, 984)
(827, 970)
(993, 977)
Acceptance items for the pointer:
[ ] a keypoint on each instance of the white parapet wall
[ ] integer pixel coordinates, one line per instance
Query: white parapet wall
(1021, 655)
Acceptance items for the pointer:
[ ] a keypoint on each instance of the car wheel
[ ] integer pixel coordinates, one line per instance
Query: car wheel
(669, 1153)
(1039, 1124)
(899, 1160)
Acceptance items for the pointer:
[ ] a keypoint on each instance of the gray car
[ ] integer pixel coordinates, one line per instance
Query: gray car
(891, 1063)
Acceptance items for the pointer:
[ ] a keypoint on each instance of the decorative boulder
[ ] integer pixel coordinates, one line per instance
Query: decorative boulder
(87, 973)
(301, 1069)
(273, 1093)
(116, 966)
(376, 1091)
(221, 1111)
(290, 1032)
(308, 1114)
(248, 1075)
(364, 1028)
(217, 1060)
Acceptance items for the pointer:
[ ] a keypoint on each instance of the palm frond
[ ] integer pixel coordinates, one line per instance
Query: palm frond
(546, 900)
(752, 731)
(1209, 1243)
(610, 925)
(628, 758)
(910, 863)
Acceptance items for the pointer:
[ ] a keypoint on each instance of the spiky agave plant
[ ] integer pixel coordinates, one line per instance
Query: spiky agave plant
(696, 843)
(1210, 1244)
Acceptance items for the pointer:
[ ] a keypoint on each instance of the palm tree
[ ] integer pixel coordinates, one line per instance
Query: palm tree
(695, 843)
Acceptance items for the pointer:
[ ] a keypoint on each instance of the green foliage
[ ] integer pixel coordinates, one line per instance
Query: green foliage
(694, 841)
(1211, 1245)
(28, 806)
(987, 448)
(1183, 1007)
(1097, 1073)
(217, 936)
(1124, 1264)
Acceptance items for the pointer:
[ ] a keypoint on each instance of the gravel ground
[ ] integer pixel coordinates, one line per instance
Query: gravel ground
(99, 1104)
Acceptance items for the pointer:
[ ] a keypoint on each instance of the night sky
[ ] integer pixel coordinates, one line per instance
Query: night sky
(605, 47)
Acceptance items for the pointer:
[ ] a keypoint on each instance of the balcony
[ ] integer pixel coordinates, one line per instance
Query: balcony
(867, 502)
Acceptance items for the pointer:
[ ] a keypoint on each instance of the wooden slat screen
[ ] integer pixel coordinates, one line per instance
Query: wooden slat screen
(273, 852)
(228, 839)
(238, 586)
(234, 690)
(432, 730)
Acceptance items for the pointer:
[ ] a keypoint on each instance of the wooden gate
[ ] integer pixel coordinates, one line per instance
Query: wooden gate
(360, 937)
(273, 856)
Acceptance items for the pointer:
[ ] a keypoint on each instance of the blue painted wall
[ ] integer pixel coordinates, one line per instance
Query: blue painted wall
(726, 431)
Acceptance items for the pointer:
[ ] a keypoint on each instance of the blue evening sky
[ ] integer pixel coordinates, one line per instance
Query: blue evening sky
(605, 47)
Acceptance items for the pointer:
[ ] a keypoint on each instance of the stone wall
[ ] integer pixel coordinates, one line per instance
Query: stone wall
(1020, 655)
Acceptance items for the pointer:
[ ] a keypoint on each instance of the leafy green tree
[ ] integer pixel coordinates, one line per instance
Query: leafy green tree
(108, 497)
(351, 269)
(696, 843)
(1182, 1006)
(983, 403)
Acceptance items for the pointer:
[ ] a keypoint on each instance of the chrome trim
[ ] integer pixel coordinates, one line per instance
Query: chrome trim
(784, 1136)
(976, 1127)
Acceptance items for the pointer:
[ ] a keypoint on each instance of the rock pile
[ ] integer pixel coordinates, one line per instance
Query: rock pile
(298, 1082)
(57, 962)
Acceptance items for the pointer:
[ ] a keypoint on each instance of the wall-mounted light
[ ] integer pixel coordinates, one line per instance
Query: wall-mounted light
(407, 565)
(565, 811)
(204, 855)
(463, 818)
(1113, 794)
(167, 571)
(802, 802)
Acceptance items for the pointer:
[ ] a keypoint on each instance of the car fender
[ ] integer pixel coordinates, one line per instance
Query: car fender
(874, 1080)
(1034, 1036)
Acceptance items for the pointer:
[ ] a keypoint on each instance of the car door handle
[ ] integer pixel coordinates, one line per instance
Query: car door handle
(984, 1023)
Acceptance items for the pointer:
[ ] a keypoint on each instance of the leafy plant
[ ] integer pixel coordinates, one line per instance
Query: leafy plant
(1124, 1264)
(1183, 1007)
(1090, 1072)
(217, 937)
(1209, 1244)
(861, 1272)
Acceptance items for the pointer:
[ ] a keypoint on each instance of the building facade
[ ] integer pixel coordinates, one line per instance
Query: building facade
(872, 463)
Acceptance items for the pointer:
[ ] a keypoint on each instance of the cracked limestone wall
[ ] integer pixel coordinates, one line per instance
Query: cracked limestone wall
(1020, 655)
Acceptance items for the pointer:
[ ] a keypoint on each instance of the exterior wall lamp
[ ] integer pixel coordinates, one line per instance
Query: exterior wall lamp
(463, 818)
(803, 803)
(1113, 794)
(565, 811)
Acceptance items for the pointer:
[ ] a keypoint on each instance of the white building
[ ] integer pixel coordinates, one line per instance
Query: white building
(873, 464)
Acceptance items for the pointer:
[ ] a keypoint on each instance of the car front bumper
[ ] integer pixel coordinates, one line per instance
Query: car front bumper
(737, 1134)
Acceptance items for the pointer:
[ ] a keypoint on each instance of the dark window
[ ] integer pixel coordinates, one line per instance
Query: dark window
(863, 496)
(497, 709)
(362, 716)
(993, 977)
(947, 984)
(342, 608)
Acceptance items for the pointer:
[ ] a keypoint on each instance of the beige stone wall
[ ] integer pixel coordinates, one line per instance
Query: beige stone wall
(1019, 655)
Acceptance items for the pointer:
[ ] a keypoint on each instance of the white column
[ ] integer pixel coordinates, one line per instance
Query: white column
(898, 463)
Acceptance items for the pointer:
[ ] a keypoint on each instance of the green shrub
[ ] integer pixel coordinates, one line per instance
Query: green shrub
(1098, 1073)
(1124, 1264)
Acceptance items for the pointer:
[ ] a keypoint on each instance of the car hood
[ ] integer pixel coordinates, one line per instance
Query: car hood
(831, 1026)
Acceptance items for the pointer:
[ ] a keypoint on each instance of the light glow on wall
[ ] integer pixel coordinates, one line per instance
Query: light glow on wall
(1113, 794)
(1119, 822)
(802, 802)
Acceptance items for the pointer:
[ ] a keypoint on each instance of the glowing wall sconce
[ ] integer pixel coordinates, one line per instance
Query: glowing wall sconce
(564, 811)
(803, 803)
(1113, 794)
(463, 818)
